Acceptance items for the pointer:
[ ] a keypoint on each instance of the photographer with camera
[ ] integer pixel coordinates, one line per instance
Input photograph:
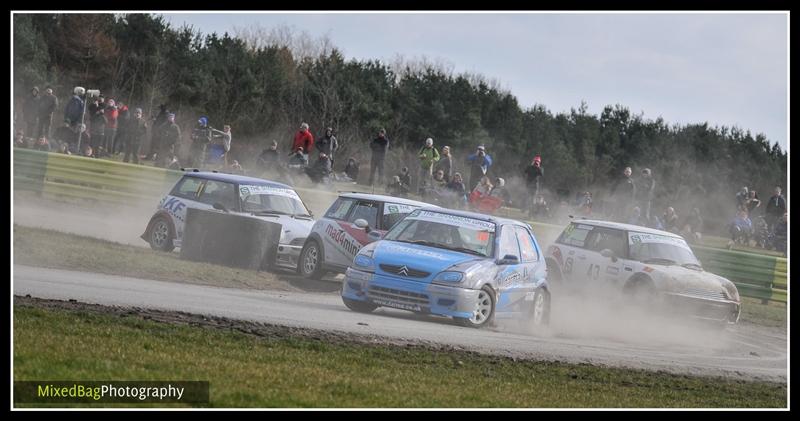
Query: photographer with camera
(201, 137)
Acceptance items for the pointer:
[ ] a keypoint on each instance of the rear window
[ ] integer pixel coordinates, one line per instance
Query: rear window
(340, 208)
(575, 235)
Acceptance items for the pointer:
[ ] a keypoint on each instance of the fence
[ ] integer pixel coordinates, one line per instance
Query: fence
(755, 275)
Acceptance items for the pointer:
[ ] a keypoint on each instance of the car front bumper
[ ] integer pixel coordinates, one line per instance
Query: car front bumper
(287, 256)
(702, 308)
(422, 297)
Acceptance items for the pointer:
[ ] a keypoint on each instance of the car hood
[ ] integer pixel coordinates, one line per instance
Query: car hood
(681, 279)
(415, 257)
(293, 228)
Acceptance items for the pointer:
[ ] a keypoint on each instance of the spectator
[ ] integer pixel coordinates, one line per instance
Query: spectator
(42, 144)
(19, 139)
(112, 114)
(585, 204)
(397, 188)
(436, 189)
(30, 110)
(479, 164)
(636, 217)
(123, 128)
(157, 131)
(47, 106)
(88, 151)
(170, 137)
(456, 186)
(533, 177)
(775, 208)
(741, 198)
(752, 202)
(670, 220)
(624, 194)
(73, 112)
(201, 138)
(482, 189)
(779, 237)
(428, 155)
(379, 147)
(236, 168)
(319, 172)
(445, 164)
(298, 159)
(740, 228)
(135, 133)
(693, 225)
(405, 176)
(351, 170)
(540, 208)
(97, 127)
(328, 144)
(220, 145)
(303, 139)
(499, 190)
(174, 164)
(648, 186)
(268, 159)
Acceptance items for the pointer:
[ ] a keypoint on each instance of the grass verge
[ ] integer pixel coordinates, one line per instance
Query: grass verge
(281, 369)
(58, 250)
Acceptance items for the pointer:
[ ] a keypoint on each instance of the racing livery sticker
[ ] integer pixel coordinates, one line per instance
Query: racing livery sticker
(396, 248)
(250, 189)
(393, 208)
(639, 237)
(455, 220)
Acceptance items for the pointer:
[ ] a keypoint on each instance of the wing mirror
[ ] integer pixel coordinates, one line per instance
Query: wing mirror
(509, 259)
(608, 253)
(220, 206)
(363, 224)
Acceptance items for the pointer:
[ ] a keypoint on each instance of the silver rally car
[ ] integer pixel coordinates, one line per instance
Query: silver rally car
(263, 199)
(646, 264)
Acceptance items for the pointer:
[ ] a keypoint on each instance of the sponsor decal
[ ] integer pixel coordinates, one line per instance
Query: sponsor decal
(637, 238)
(342, 239)
(611, 270)
(511, 279)
(402, 306)
(459, 221)
(396, 248)
(249, 190)
(393, 208)
(585, 227)
(174, 206)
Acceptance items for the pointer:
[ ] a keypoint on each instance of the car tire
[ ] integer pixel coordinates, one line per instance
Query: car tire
(359, 306)
(160, 235)
(540, 309)
(641, 292)
(310, 263)
(484, 310)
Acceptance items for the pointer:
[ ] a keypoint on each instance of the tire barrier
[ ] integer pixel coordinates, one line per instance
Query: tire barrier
(228, 239)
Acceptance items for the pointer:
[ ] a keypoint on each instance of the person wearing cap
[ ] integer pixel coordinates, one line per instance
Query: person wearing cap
(170, 138)
(327, 144)
(201, 137)
(533, 178)
(73, 112)
(428, 155)
(135, 133)
(47, 106)
(479, 164)
(379, 147)
(445, 164)
(30, 110)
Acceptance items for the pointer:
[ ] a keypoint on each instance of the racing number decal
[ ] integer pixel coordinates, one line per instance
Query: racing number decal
(593, 272)
(568, 266)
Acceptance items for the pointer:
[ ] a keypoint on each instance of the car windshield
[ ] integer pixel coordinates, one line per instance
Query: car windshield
(664, 249)
(445, 231)
(267, 199)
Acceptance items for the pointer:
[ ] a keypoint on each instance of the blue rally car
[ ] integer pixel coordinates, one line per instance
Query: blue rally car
(465, 265)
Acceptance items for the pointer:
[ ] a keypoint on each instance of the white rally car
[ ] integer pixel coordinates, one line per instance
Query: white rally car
(353, 221)
(268, 200)
(647, 264)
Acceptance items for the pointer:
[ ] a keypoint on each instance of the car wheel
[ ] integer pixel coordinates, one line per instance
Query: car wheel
(310, 264)
(540, 310)
(359, 306)
(161, 235)
(641, 292)
(483, 310)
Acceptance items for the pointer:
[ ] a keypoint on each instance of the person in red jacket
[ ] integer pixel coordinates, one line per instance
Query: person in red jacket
(303, 139)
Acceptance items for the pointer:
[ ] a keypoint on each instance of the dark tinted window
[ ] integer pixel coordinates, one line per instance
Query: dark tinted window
(604, 238)
(367, 211)
(219, 192)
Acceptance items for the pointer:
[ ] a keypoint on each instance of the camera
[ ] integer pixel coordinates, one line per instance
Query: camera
(92, 93)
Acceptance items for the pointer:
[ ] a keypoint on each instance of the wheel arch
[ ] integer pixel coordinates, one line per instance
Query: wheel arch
(161, 214)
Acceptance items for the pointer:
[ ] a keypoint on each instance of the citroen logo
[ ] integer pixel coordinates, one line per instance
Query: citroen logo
(403, 270)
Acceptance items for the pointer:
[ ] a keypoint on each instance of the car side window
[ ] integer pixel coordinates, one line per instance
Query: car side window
(340, 208)
(187, 188)
(365, 210)
(603, 238)
(393, 213)
(508, 242)
(575, 235)
(219, 192)
(526, 245)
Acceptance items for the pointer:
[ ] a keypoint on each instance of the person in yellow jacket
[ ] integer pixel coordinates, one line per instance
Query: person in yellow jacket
(428, 156)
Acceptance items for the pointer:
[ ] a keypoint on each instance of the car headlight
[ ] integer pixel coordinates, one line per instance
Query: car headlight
(449, 277)
(732, 291)
(364, 263)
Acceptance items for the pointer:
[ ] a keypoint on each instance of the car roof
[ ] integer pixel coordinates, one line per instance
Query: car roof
(232, 178)
(382, 198)
(475, 215)
(621, 226)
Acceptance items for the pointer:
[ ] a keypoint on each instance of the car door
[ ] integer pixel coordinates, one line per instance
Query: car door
(180, 198)
(345, 237)
(601, 269)
(571, 244)
(532, 271)
(509, 283)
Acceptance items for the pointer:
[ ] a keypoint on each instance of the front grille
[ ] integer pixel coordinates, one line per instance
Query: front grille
(396, 295)
(704, 294)
(409, 272)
